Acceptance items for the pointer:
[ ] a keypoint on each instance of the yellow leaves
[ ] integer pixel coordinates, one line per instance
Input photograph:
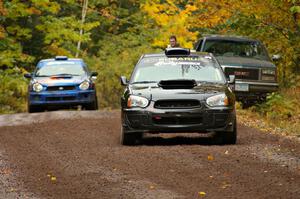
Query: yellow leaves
(171, 20)
(210, 157)
(151, 187)
(225, 185)
(201, 193)
(52, 178)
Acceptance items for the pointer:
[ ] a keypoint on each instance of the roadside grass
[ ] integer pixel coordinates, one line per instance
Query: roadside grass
(279, 114)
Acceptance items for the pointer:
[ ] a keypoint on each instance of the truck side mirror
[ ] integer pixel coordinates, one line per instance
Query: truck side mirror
(276, 57)
(124, 81)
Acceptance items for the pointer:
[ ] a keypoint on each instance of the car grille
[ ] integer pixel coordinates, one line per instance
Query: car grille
(67, 98)
(176, 104)
(161, 120)
(60, 88)
(243, 73)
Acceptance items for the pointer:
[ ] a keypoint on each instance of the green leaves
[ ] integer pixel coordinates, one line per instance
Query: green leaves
(295, 9)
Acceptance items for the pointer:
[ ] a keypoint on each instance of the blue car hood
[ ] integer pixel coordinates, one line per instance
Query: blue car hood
(50, 81)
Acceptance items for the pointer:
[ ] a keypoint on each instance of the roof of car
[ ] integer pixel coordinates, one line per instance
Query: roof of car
(53, 59)
(229, 37)
(193, 54)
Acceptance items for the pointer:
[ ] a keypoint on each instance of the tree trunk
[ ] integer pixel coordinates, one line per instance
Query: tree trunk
(83, 14)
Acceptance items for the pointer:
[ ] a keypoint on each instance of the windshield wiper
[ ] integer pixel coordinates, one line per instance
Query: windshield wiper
(144, 82)
(42, 76)
(62, 74)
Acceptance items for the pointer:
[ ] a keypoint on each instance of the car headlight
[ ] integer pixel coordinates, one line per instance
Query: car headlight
(218, 100)
(84, 85)
(37, 87)
(137, 101)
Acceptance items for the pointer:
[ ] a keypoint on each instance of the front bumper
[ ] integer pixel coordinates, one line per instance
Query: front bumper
(62, 98)
(254, 90)
(200, 120)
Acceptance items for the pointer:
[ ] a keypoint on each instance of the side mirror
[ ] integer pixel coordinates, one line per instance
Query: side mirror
(124, 81)
(231, 79)
(27, 75)
(94, 74)
(276, 57)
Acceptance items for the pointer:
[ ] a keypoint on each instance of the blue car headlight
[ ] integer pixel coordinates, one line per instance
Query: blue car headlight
(84, 85)
(37, 87)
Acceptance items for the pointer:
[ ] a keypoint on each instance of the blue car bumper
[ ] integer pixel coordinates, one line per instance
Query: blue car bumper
(62, 98)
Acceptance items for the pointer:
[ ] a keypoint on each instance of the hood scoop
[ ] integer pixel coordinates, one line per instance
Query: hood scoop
(177, 84)
(61, 77)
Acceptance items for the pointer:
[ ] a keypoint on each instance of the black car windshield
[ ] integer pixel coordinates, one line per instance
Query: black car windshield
(155, 69)
(229, 48)
(60, 68)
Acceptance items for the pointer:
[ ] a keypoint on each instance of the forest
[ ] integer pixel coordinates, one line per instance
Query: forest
(111, 35)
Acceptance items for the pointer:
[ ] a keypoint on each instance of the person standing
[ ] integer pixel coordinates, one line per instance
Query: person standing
(173, 42)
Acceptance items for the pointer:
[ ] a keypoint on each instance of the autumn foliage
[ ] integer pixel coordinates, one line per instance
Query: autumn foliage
(115, 33)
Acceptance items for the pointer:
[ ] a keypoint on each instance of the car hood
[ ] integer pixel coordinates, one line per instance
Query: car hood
(246, 62)
(154, 92)
(50, 81)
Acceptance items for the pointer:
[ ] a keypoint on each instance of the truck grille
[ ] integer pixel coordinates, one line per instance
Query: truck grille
(60, 88)
(243, 73)
(176, 104)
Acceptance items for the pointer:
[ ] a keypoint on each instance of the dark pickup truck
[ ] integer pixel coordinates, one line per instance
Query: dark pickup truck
(248, 60)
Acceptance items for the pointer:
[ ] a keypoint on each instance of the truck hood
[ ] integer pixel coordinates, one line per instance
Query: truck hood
(199, 92)
(246, 62)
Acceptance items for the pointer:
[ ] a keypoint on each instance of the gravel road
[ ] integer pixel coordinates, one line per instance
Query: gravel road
(76, 154)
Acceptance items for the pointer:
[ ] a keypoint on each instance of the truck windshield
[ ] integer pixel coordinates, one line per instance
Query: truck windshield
(154, 69)
(247, 49)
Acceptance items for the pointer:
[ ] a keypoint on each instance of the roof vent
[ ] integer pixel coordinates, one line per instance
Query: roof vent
(177, 51)
(61, 58)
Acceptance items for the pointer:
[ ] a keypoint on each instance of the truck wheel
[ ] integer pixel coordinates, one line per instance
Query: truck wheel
(130, 138)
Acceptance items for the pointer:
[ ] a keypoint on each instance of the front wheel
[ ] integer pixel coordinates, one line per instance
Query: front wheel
(92, 106)
(130, 138)
(229, 137)
(34, 109)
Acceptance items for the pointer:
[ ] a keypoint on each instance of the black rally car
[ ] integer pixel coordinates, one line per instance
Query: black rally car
(177, 91)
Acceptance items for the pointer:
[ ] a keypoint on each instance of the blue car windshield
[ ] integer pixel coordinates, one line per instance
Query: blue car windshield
(60, 68)
(154, 69)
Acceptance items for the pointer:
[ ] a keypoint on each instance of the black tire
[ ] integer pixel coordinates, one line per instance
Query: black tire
(92, 106)
(34, 109)
(130, 138)
(229, 137)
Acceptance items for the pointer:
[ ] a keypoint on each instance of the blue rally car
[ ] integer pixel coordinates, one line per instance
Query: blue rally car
(61, 82)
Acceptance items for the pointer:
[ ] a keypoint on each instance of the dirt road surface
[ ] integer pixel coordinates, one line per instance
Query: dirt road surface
(76, 154)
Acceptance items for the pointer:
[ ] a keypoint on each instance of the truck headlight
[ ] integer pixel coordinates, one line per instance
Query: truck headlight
(137, 101)
(37, 87)
(218, 100)
(268, 72)
(84, 85)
